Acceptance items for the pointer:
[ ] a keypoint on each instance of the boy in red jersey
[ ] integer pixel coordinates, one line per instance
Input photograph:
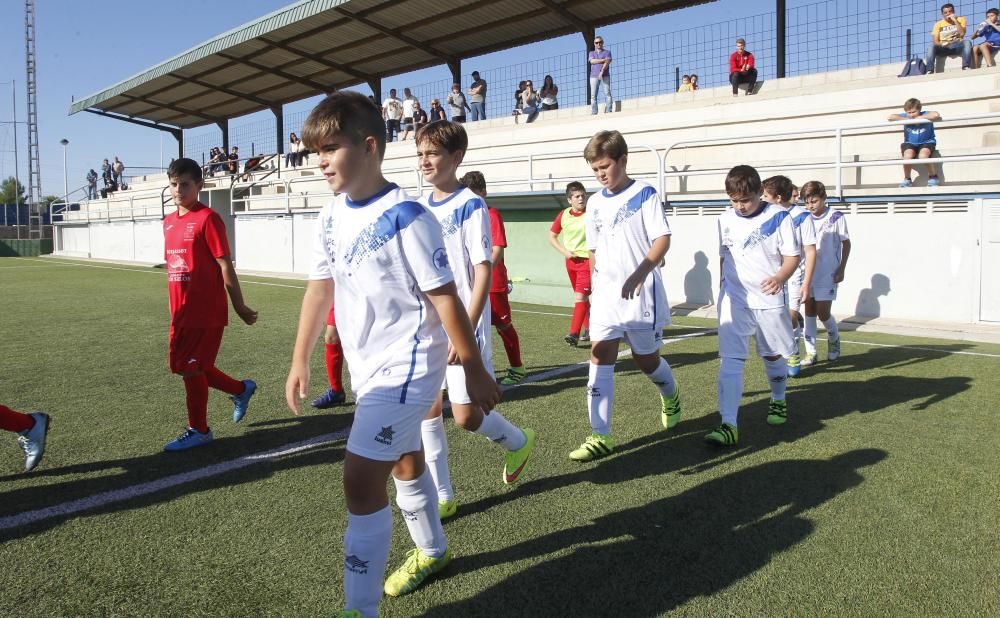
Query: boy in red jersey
(570, 223)
(499, 303)
(31, 429)
(199, 273)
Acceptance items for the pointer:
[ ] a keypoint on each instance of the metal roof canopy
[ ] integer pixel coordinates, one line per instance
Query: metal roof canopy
(318, 46)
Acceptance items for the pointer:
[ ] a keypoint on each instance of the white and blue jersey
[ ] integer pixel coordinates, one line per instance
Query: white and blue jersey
(753, 249)
(382, 254)
(621, 228)
(465, 224)
(831, 232)
(806, 234)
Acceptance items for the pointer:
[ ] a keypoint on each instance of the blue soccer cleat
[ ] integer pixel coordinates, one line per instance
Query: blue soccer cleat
(191, 438)
(329, 399)
(242, 401)
(32, 441)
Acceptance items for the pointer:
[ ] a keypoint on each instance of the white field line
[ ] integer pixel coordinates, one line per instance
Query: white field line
(911, 347)
(130, 493)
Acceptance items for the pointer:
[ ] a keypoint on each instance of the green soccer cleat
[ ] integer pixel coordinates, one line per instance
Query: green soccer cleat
(670, 409)
(725, 435)
(447, 508)
(594, 447)
(808, 361)
(417, 567)
(794, 365)
(515, 375)
(514, 461)
(777, 412)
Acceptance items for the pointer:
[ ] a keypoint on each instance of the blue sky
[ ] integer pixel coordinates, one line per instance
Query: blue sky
(84, 47)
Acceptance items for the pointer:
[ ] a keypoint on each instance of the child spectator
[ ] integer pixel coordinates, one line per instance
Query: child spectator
(742, 69)
(549, 94)
(500, 314)
(465, 221)
(31, 430)
(780, 190)
(234, 162)
(833, 246)
(627, 236)
(760, 252)
(437, 112)
(694, 82)
(919, 140)
(395, 374)
(571, 225)
(456, 100)
(199, 273)
(685, 84)
(990, 31)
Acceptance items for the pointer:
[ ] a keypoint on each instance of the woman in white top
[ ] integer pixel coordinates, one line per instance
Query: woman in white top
(292, 154)
(549, 93)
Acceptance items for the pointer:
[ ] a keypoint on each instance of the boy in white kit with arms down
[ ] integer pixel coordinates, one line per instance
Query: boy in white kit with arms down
(627, 236)
(380, 256)
(759, 251)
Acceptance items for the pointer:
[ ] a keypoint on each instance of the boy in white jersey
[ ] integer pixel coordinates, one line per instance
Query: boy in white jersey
(465, 222)
(627, 237)
(780, 190)
(759, 251)
(833, 246)
(381, 258)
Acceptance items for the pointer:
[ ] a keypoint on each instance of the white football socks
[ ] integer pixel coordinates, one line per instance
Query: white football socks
(810, 335)
(436, 455)
(501, 431)
(730, 389)
(366, 552)
(600, 396)
(663, 378)
(417, 500)
(832, 331)
(777, 375)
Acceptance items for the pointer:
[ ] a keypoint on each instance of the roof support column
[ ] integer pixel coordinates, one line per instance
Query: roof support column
(780, 33)
(455, 66)
(179, 136)
(376, 85)
(224, 127)
(588, 42)
(279, 127)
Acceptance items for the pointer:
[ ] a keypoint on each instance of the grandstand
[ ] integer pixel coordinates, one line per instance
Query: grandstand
(828, 126)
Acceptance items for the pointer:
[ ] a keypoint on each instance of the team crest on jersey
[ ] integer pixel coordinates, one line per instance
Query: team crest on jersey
(440, 257)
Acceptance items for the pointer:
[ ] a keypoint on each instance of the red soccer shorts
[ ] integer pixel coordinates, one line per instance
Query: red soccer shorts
(578, 269)
(331, 318)
(499, 309)
(194, 349)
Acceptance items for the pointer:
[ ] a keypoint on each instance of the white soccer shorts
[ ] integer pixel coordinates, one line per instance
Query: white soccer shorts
(645, 341)
(454, 377)
(770, 327)
(386, 431)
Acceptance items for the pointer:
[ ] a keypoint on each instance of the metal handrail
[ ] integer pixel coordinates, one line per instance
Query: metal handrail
(838, 163)
(107, 211)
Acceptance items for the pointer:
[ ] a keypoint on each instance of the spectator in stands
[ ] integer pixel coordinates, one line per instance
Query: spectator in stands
(437, 112)
(477, 98)
(234, 162)
(742, 69)
(106, 173)
(549, 94)
(250, 166)
(948, 39)
(408, 102)
(685, 84)
(456, 100)
(303, 152)
(990, 31)
(220, 159)
(292, 154)
(392, 111)
(528, 102)
(600, 73)
(117, 169)
(694, 82)
(517, 95)
(419, 116)
(919, 140)
(92, 185)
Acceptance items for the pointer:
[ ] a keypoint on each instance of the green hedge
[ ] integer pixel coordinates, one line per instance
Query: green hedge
(10, 247)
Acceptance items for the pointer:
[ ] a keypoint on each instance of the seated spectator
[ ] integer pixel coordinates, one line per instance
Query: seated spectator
(303, 153)
(948, 39)
(92, 185)
(292, 154)
(529, 102)
(517, 96)
(742, 69)
(437, 112)
(685, 84)
(919, 140)
(549, 94)
(233, 163)
(990, 31)
(456, 100)
(249, 167)
(694, 82)
(419, 116)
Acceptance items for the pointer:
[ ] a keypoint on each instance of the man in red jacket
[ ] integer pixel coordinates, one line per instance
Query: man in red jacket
(741, 68)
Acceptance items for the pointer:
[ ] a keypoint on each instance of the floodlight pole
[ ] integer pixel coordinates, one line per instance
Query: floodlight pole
(65, 143)
(779, 28)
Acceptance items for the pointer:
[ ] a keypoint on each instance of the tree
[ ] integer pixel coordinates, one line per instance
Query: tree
(48, 199)
(12, 192)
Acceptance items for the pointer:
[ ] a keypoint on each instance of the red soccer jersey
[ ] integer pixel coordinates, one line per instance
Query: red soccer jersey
(192, 243)
(499, 280)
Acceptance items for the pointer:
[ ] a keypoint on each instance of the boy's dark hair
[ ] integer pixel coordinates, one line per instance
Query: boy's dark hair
(444, 134)
(182, 166)
(574, 186)
(779, 186)
(743, 181)
(993, 11)
(947, 5)
(687, 76)
(912, 104)
(813, 188)
(609, 144)
(350, 114)
(475, 181)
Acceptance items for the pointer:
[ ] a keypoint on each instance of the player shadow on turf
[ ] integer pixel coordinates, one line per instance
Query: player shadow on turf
(124, 474)
(882, 359)
(653, 558)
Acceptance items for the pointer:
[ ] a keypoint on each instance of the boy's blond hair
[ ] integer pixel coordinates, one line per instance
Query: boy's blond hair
(444, 134)
(346, 113)
(813, 188)
(610, 144)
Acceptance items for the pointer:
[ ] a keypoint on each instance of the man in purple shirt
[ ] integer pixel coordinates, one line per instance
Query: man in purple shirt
(600, 73)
